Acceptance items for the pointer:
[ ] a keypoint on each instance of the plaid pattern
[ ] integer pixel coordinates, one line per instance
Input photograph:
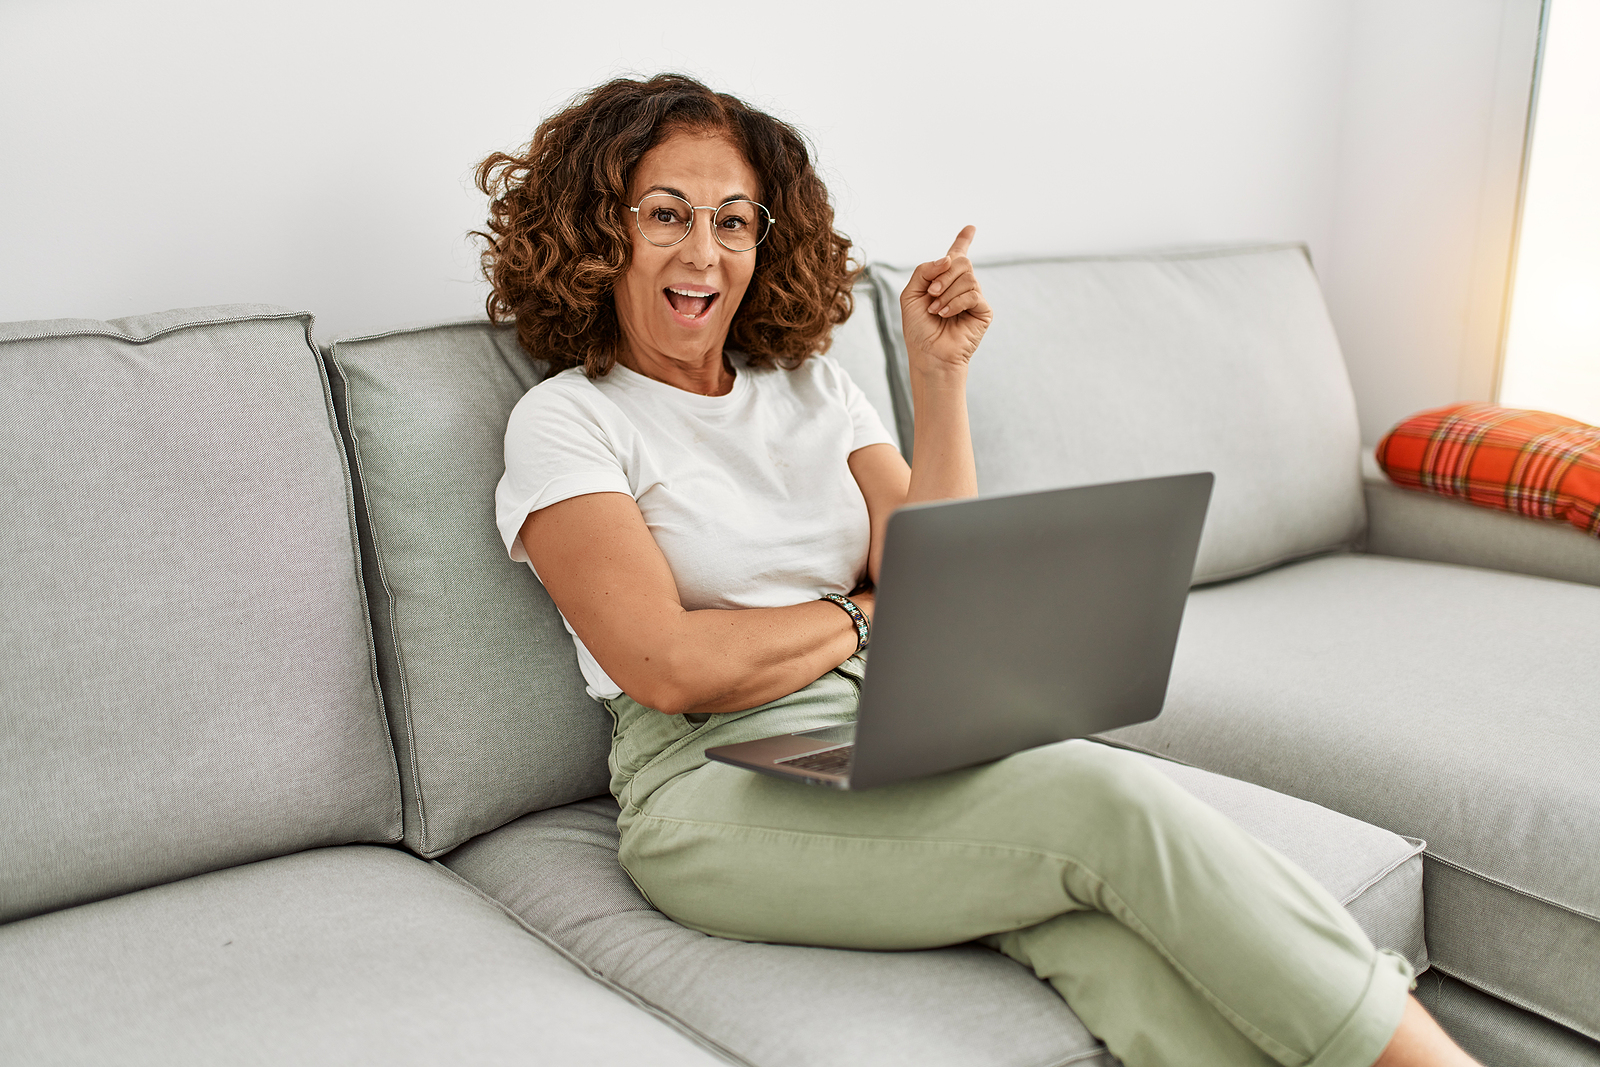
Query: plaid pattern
(1527, 462)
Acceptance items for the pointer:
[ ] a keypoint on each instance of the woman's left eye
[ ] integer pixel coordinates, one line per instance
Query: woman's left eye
(734, 222)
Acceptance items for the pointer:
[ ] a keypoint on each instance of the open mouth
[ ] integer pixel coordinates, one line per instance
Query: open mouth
(689, 303)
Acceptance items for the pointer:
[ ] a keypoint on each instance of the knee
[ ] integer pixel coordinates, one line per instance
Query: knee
(1116, 784)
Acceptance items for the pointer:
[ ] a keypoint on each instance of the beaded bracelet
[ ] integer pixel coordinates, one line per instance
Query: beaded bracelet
(863, 627)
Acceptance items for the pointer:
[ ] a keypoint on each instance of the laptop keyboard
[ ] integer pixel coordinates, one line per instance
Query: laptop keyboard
(828, 761)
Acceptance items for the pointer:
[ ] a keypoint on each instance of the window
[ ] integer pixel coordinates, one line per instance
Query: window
(1552, 348)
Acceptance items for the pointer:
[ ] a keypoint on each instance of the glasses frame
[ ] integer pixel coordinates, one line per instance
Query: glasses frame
(694, 214)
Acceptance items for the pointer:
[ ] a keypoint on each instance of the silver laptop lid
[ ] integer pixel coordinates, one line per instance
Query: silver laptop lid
(1008, 622)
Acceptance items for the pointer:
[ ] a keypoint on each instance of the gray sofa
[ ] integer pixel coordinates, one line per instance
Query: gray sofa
(296, 766)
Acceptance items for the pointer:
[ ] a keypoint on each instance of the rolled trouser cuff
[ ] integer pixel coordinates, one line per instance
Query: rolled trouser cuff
(1363, 1036)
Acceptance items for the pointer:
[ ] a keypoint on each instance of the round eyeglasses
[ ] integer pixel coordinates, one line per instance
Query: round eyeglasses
(738, 225)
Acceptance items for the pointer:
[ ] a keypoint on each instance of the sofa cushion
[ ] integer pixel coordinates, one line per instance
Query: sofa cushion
(859, 349)
(1494, 1032)
(1448, 703)
(1102, 369)
(1531, 463)
(187, 678)
(484, 696)
(1404, 522)
(963, 1005)
(332, 956)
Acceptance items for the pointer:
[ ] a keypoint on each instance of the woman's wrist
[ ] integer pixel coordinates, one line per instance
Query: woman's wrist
(858, 618)
(937, 373)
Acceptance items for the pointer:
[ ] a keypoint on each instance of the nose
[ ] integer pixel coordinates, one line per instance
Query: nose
(700, 249)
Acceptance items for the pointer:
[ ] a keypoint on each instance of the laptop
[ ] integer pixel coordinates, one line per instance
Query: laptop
(1008, 622)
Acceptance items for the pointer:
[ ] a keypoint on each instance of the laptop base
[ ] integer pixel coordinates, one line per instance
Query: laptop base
(795, 756)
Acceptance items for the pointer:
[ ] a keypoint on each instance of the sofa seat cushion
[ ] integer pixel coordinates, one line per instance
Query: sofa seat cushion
(186, 670)
(357, 954)
(1494, 1032)
(962, 1005)
(1453, 704)
(1105, 368)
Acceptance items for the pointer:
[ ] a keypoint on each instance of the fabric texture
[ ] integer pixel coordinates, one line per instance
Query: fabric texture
(188, 677)
(1495, 1032)
(1529, 462)
(483, 692)
(333, 956)
(1173, 934)
(1107, 368)
(1398, 692)
(1413, 525)
(749, 496)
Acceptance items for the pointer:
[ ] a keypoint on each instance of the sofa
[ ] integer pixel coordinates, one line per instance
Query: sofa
(298, 766)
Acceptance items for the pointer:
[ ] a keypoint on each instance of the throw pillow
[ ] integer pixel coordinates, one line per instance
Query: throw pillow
(1529, 462)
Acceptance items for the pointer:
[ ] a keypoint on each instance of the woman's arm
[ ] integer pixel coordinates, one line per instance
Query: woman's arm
(944, 315)
(604, 571)
(608, 577)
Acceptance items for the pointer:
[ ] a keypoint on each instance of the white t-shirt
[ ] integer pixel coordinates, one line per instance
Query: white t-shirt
(749, 495)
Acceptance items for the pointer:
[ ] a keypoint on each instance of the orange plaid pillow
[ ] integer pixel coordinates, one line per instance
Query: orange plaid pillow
(1529, 462)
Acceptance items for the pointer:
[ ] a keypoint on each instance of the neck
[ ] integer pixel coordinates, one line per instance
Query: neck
(708, 374)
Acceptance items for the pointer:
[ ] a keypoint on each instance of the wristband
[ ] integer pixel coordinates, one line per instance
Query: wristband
(863, 627)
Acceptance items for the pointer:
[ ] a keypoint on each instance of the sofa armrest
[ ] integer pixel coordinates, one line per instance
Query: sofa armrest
(1418, 525)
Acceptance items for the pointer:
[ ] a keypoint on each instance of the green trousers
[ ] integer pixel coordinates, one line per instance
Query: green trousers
(1175, 936)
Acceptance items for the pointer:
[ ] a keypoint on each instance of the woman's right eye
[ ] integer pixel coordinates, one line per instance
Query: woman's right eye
(666, 216)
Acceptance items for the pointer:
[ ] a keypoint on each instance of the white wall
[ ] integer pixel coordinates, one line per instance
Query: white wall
(318, 154)
(1433, 127)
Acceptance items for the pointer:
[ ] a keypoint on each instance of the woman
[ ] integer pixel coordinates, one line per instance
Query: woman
(701, 493)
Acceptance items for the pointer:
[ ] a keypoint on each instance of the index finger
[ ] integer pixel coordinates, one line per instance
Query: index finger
(963, 240)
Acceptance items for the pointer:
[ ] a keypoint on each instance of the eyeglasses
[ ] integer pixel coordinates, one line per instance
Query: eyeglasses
(738, 225)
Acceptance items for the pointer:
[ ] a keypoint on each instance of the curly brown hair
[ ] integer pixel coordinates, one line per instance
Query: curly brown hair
(557, 241)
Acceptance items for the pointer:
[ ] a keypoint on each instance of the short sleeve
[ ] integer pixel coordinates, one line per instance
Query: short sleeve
(865, 422)
(557, 446)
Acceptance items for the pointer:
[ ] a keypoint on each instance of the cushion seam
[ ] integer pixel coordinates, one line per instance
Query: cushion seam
(1155, 255)
(1417, 847)
(394, 641)
(705, 1040)
(454, 324)
(120, 336)
(361, 584)
(1511, 888)
(1490, 989)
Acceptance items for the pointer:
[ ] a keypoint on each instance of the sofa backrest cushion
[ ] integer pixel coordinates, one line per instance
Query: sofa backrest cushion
(858, 347)
(485, 701)
(1108, 368)
(187, 679)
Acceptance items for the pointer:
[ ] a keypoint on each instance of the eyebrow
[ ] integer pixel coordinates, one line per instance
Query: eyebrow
(730, 198)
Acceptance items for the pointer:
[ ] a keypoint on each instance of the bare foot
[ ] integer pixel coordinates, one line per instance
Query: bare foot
(1419, 1042)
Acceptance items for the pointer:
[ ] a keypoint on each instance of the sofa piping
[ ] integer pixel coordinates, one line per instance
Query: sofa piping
(656, 1010)
(265, 316)
(1490, 989)
(1418, 846)
(350, 490)
(1501, 884)
(403, 708)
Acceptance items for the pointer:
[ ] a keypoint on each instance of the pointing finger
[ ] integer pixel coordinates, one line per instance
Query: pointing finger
(963, 241)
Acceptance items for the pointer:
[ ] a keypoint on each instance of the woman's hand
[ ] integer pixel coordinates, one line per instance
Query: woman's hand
(943, 310)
